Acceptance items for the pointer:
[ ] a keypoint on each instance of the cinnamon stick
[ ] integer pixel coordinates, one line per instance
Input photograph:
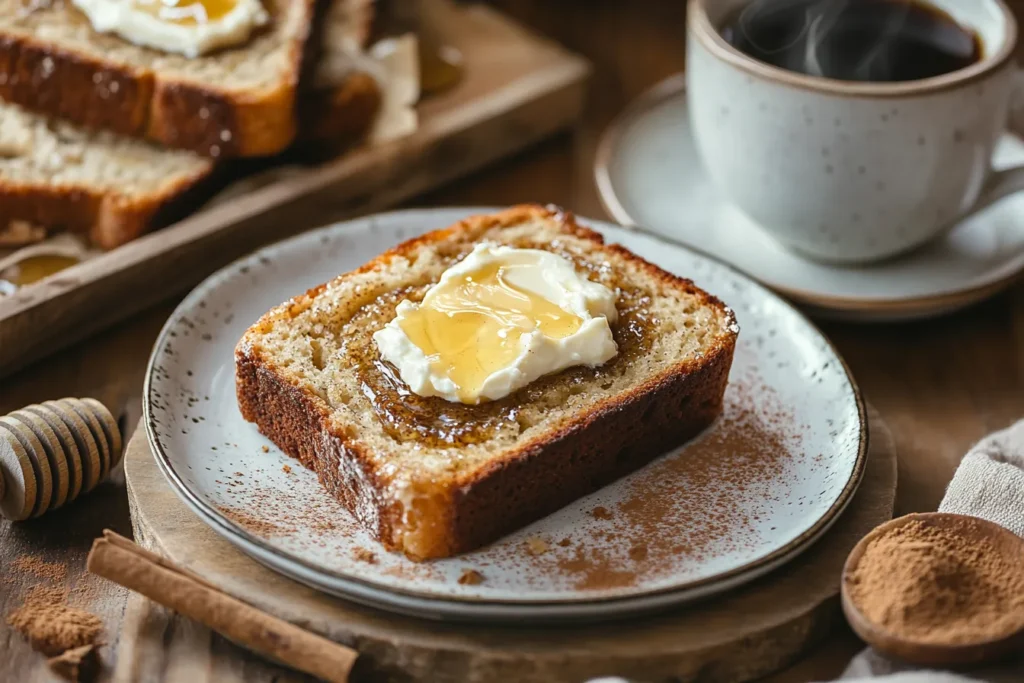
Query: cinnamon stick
(118, 559)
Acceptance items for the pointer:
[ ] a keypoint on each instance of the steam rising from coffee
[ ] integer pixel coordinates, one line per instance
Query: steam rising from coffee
(853, 40)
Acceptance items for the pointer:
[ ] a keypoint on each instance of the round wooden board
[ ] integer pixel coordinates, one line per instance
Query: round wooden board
(745, 634)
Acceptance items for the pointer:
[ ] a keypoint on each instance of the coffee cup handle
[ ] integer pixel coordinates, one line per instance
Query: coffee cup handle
(999, 184)
(1004, 181)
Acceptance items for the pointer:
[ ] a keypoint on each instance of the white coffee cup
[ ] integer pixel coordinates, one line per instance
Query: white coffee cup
(852, 172)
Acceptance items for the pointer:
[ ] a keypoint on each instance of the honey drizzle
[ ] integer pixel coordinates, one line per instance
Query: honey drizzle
(186, 12)
(437, 423)
(472, 327)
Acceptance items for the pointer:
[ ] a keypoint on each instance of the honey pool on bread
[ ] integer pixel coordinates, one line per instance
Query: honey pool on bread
(440, 423)
(187, 12)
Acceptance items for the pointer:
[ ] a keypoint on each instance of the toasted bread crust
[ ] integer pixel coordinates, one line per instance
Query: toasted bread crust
(539, 476)
(51, 80)
(139, 102)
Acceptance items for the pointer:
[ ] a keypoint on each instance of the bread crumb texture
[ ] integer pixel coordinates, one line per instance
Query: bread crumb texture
(35, 150)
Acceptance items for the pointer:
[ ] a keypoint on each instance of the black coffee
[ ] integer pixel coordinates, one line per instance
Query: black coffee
(854, 40)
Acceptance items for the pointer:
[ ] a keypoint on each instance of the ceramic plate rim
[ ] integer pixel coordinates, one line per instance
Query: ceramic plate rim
(704, 586)
(675, 85)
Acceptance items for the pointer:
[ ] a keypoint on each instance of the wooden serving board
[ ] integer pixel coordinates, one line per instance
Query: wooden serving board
(745, 634)
(517, 88)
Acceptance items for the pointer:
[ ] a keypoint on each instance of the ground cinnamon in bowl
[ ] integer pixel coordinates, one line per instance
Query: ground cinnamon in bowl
(941, 580)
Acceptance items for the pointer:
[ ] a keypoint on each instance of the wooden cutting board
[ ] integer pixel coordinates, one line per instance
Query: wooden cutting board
(517, 88)
(745, 634)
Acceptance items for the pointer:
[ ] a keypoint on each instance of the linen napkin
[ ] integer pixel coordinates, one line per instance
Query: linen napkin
(989, 484)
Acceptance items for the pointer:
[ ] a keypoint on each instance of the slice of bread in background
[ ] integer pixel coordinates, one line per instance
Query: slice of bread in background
(432, 478)
(339, 116)
(109, 187)
(238, 101)
(342, 95)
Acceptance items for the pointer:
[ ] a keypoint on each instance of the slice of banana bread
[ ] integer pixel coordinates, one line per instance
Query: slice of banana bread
(433, 478)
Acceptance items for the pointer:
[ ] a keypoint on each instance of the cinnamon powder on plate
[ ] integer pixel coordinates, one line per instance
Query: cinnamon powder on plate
(694, 504)
(936, 585)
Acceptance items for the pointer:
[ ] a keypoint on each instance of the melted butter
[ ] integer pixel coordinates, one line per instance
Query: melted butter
(35, 268)
(472, 328)
(187, 12)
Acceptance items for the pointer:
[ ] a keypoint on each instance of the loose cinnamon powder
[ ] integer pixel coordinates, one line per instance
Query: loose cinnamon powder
(686, 508)
(54, 571)
(249, 522)
(51, 625)
(939, 585)
(364, 555)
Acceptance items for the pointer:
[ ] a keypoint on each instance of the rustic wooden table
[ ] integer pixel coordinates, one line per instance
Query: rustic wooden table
(940, 385)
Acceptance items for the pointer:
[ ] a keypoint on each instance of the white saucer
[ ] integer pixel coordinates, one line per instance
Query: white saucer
(648, 174)
(704, 518)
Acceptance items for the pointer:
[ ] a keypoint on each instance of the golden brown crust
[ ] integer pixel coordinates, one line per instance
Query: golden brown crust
(296, 423)
(140, 102)
(75, 87)
(536, 478)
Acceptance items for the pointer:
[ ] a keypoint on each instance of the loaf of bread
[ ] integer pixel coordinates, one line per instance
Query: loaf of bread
(432, 478)
(235, 102)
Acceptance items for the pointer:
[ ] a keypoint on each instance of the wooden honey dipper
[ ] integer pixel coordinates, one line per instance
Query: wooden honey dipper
(53, 452)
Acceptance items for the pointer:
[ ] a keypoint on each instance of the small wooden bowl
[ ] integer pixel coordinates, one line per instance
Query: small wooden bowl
(936, 654)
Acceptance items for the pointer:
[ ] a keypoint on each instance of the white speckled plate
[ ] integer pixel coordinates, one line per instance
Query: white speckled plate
(649, 175)
(754, 490)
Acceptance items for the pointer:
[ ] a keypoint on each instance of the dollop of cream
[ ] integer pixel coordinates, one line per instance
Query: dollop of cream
(497, 320)
(188, 27)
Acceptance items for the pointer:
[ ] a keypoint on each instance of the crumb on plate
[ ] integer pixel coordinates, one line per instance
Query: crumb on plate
(471, 577)
(536, 546)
